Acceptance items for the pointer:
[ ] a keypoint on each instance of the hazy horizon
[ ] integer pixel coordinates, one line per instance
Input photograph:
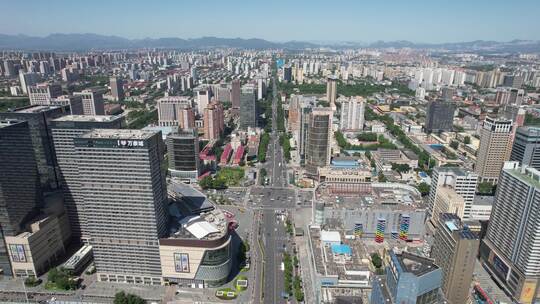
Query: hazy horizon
(418, 21)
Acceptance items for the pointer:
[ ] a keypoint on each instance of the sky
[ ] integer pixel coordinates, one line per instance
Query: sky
(426, 21)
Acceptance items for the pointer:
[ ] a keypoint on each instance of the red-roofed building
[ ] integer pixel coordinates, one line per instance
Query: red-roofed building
(226, 154)
(238, 155)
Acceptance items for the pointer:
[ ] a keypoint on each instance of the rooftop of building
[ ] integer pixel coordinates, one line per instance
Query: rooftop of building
(415, 264)
(119, 134)
(193, 216)
(380, 198)
(454, 223)
(528, 175)
(9, 122)
(89, 118)
(529, 130)
(347, 260)
(483, 200)
(174, 99)
(78, 256)
(34, 109)
(183, 133)
(456, 170)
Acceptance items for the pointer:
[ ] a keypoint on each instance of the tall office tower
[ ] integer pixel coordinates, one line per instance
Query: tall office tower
(117, 88)
(43, 94)
(44, 68)
(447, 93)
(447, 201)
(293, 118)
(222, 92)
(194, 74)
(509, 96)
(526, 147)
(304, 131)
(331, 91)
(204, 96)
(462, 181)
(92, 101)
(213, 121)
(27, 79)
(248, 107)
(454, 250)
(186, 118)
(318, 148)
(183, 152)
(439, 116)
(495, 148)
(409, 279)
(510, 249)
(261, 88)
(69, 75)
(235, 94)
(287, 73)
(512, 81)
(9, 68)
(125, 196)
(514, 113)
(64, 130)
(420, 93)
(19, 183)
(74, 102)
(352, 114)
(39, 118)
(169, 109)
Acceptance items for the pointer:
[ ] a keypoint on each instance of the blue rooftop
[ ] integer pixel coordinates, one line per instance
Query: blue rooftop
(345, 163)
(341, 249)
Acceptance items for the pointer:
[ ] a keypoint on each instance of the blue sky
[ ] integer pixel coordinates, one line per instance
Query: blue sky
(280, 20)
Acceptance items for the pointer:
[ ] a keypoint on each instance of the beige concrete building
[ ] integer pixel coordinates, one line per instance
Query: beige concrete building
(33, 252)
(331, 91)
(342, 175)
(495, 148)
(454, 251)
(213, 121)
(172, 110)
(447, 201)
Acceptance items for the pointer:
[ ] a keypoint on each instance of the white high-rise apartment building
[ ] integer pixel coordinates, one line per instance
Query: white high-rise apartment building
(462, 181)
(352, 113)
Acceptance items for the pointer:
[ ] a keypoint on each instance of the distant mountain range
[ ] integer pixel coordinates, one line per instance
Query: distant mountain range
(82, 42)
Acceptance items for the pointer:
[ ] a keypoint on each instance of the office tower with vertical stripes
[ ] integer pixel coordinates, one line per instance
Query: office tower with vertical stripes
(64, 130)
(19, 183)
(248, 107)
(39, 120)
(125, 199)
(495, 147)
(92, 101)
(331, 91)
(318, 148)
(511, 247)
(526, 147)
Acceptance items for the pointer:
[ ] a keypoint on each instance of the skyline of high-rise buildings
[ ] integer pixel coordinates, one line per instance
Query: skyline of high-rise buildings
(373, 174)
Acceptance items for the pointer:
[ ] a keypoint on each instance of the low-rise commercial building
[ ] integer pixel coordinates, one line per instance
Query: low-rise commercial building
(197, 252)
(33, 252)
